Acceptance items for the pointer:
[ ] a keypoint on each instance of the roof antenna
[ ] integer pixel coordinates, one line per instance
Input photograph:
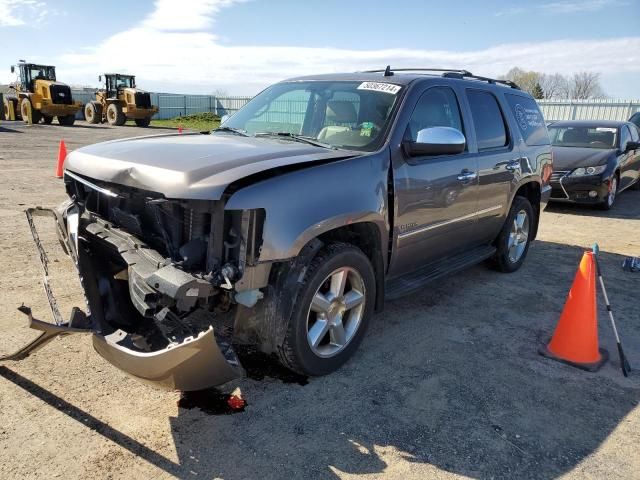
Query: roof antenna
(388, 72)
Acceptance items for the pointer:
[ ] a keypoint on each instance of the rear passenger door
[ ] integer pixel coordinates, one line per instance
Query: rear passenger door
(436, 195)
(498, 160)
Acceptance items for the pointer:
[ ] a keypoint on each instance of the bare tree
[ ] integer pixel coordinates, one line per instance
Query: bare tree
(586, 85)
(555, 85)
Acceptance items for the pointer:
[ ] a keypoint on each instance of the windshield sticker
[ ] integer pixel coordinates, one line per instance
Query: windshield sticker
(380, 87)
(605, 129)
(528, 117)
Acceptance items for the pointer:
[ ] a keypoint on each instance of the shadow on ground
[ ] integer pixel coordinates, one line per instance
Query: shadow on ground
(447, 379)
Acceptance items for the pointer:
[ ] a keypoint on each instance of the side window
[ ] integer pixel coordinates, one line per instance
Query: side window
(529, 119)
(438, 107)
(625, 136)
(635, 133)
(487, 119)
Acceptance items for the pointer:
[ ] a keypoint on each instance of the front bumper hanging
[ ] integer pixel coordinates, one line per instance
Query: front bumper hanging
(196, 362)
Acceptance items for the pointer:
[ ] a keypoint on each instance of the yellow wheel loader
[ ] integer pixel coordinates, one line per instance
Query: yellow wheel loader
(38, 96)
(120, 101)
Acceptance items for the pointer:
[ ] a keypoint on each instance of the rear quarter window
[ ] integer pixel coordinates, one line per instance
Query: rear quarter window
(529, 119)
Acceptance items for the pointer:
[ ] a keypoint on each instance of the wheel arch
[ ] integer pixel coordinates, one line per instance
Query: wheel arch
(532, 191)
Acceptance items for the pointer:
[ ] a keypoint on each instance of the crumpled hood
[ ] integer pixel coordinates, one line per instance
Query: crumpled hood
(190, 166)
(568, 158)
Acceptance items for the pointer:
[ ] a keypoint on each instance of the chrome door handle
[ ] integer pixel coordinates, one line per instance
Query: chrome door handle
(467, 176)
(513, 165)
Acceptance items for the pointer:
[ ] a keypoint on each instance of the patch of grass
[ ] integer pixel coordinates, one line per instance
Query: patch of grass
(199, 122)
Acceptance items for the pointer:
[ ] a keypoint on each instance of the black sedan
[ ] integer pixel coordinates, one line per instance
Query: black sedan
(593, 161)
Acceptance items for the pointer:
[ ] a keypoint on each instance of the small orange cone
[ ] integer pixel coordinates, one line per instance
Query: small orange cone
(62, 154)
(179, 128)
(575, 340)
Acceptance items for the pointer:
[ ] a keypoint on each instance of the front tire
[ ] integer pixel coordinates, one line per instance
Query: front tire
(611, 196)
(514, 239)
(332, 312)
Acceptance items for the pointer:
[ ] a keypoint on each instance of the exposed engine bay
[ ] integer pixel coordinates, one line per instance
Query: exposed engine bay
(159, 279)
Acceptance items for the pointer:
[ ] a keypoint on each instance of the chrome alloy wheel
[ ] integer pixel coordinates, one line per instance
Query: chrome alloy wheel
(336, 312)
(518, 236)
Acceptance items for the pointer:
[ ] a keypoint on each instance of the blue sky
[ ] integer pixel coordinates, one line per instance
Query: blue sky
(241, 46)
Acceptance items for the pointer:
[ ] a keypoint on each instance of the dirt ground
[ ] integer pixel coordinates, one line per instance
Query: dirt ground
(447, 383)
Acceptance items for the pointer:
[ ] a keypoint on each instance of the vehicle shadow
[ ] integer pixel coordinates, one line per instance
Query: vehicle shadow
(448, 379)
(627, 206)
(8, 130)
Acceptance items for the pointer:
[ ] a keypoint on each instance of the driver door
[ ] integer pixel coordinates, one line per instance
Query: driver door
(436, 195)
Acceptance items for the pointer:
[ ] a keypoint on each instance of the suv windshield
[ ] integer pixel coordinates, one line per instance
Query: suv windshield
(350, 115)
(586, 137)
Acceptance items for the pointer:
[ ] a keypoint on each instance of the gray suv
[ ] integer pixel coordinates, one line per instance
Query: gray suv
(287, 227)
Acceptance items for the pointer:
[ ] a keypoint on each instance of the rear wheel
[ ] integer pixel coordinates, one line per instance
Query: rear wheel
(143, 122)
(93, 112)
(332, 311)
(47, 119)
(114, 115)
(514, 239)
(66, 120)
(28, 113)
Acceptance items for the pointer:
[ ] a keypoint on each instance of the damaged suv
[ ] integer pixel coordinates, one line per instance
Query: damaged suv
(288, 226)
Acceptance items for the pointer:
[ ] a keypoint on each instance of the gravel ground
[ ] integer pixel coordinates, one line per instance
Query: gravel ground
(447, 384)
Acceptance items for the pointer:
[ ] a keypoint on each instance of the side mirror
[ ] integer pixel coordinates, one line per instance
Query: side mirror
(224, 118)
(632, 146)
(100, 78)
(13, 69)
(436, 141)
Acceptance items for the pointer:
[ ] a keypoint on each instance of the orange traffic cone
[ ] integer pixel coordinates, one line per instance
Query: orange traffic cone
(62, 154)
(179, 128)
(575, 340)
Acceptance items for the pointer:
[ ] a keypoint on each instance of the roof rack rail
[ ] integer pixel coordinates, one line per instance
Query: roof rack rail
(448, 73)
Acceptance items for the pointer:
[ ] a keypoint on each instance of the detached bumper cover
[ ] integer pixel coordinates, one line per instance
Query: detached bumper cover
(193, 363)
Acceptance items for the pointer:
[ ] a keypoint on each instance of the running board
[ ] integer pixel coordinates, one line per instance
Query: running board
(414, 281)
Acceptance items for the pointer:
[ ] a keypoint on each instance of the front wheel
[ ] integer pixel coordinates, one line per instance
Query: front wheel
(332, 312)
(514, 239)
(611, 195)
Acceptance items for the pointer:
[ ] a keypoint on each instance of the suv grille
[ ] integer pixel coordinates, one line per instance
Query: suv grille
(60, 94)
(143, 100)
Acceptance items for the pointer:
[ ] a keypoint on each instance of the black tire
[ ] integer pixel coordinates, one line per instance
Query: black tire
(502, 259)
(66, 120)
(296, 352)
(143, 122)
(115, 116)
(93, 112)
(25, 108)
(610, 199)
(47, 119)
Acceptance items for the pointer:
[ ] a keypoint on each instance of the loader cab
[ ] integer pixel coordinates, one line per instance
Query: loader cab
(28, 73)
(114, 82)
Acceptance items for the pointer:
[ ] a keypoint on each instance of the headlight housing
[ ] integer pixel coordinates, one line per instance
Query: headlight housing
(584, 171)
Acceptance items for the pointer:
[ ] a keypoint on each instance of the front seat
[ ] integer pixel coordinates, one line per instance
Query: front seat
(341, 113)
